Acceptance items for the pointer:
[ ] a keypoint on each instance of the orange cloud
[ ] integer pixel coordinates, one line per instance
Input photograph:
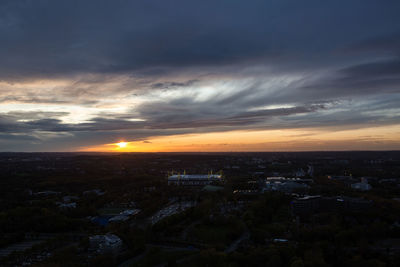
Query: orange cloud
(377, 138)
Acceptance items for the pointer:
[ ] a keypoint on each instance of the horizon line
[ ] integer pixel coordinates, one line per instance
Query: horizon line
(195, 152)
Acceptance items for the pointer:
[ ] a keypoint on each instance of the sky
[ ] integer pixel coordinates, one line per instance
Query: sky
(162, 76)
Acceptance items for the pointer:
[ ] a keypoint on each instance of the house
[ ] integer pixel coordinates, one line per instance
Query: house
(105, 243)
(306, 204)
(194, 179)
(130, 212)
(119, 218)
(362, 186)
(283, 184)
(47, 193)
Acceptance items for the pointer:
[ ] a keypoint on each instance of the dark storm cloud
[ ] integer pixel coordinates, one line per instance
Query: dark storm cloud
(388, 44)
(34, 134)
(169, 119)
(15, 137)
(377, 77)
(22, 115)
(374, 69)
(57, 38)
(31, 99)
(21, 122)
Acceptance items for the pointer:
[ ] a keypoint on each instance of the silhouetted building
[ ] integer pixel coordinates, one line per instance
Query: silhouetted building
(306, 204)
(194, 179)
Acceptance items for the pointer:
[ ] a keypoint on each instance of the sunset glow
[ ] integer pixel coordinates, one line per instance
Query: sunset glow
(122, 144)
(274, 140)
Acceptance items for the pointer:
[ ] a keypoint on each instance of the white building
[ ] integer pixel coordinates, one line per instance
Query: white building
(300, 173)
(362, 186)
(105, 243)
(171, 210)
(310, 170)
(130, 212)
(194, 179)
(284, 184)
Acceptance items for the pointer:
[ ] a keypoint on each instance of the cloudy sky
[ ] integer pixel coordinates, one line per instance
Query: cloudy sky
(277, 75)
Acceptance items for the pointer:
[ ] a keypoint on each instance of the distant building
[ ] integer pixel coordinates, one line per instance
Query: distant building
(47, 193)
(283, 184)
(284, 179)
(310, 170)
(171, 210)
(300, 173)
(105, 243)
(246, 192)
(119, 218)
(94, 191)
(389, 181)
(362, 186)
(122, 216)
(194, 179)
(280, 240)
(345, 179)
(306, 204)
(130, 212)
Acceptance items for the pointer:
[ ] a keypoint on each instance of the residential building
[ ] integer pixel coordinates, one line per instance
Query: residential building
(105, 243)
(194, 179)
(362, 186)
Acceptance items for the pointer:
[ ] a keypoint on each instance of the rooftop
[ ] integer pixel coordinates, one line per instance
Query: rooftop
(195, 176)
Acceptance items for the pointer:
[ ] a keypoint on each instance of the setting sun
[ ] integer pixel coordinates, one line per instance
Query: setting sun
(122, 144)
